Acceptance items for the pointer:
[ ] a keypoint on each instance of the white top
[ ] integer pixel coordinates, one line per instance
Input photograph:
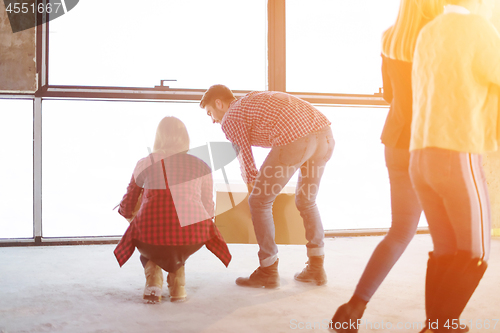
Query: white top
(455, 9)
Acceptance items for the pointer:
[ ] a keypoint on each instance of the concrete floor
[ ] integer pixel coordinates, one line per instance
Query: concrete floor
(82, 289)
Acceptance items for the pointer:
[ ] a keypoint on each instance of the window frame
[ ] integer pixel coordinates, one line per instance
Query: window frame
(276, 80)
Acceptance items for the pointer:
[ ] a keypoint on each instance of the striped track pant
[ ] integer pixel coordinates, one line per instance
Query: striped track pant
(451, 187)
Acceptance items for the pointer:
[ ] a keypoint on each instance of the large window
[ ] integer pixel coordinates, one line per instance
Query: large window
(93, 136)
(137, 44)
(355, 192)
(334, 46)
(90, 150)
(16, 149)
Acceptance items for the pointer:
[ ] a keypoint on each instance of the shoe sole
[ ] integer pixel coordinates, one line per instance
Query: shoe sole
(318, 283)
(177, 299)
(152, 299)
(272, 286)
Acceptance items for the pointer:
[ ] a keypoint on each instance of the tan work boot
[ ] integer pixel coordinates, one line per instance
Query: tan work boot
(176, 285)
(154, 282)
(266, 277)
(314, 271)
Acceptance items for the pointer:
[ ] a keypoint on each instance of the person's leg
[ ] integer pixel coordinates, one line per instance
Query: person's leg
(274, 174)
(467, 204)
(154, 282)
(307, 190)
(306, 193)
(154, 258)
(458, 213)
(153, 273)
(406, 211)
(143, 260)
(456, 203)
(279, 166)
(422, 165)
(425, 166)
(176, 282)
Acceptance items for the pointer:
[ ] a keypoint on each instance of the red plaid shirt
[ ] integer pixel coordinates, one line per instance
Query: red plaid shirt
(176, 189)
(268, 119)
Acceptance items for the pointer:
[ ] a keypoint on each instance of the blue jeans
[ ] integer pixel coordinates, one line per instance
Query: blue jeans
(406, 211)
(309, 154)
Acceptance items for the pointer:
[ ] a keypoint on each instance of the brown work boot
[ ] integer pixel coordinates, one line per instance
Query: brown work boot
(314, 271)
(266, 277)
(154, 282)
(176, 285)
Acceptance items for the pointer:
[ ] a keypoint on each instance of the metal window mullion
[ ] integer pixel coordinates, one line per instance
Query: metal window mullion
(37, 170)
(42, 46)
(276, 45)
(42, 76)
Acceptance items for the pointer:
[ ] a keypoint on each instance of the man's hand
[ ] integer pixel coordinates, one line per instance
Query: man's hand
(250, 187)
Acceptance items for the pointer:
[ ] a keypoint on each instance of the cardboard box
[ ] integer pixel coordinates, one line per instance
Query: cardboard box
(235, 223)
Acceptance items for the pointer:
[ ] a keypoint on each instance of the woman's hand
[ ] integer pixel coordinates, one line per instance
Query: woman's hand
(136, 209)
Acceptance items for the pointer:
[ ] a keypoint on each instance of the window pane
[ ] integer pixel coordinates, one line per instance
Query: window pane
(90, 149)
(334, 46)
(16, 149)
(130, 43)
(355, 191)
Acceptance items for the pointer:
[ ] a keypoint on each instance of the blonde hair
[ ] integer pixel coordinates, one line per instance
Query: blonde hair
(398, 42)
(171, 137)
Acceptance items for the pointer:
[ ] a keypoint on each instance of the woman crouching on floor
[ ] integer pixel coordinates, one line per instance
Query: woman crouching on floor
(169, 204)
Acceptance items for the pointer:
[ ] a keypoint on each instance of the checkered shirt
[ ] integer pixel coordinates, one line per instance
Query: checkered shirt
(157, 222)
(268, 119)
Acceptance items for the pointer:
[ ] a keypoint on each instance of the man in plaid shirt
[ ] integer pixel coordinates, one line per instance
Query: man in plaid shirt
(300, 138)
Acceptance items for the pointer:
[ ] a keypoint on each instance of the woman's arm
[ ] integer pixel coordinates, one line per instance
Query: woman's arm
(131, 202)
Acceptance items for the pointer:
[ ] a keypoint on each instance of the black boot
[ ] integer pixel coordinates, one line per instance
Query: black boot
(456, 287)
(314, 271)
(347, 315)
(266, 277)
(436, 269)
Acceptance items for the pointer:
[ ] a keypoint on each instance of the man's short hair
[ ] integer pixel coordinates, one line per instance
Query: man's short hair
(217, 91)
